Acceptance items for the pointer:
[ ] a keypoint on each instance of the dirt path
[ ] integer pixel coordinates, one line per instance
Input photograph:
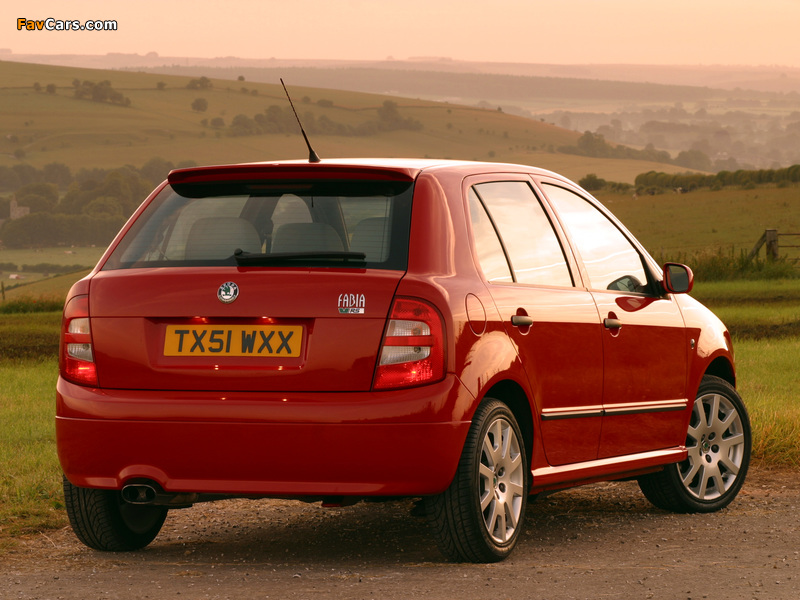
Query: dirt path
(600, 541)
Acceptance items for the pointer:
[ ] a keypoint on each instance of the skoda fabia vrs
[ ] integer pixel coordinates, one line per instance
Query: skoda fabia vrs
(466, 334)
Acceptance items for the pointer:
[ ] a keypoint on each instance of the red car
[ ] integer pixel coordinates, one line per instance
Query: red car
(465, 333)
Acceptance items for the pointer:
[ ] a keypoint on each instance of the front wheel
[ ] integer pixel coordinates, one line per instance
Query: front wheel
(718, 442)
(479, 517)
(104, 521)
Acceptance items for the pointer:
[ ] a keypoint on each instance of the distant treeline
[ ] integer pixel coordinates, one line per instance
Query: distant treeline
(741, 178)
(89, 90)
(12, 178)
(96, 204)
(41, 268)
(276, 119)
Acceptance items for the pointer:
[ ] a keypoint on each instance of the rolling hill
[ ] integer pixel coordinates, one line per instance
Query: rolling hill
(155, 117)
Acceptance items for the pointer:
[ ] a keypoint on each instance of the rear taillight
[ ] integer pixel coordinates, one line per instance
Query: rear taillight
(76, 353)
(412, 351)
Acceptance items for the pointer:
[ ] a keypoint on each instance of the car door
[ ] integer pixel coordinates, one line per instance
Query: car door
(553, 323)
(645, 345)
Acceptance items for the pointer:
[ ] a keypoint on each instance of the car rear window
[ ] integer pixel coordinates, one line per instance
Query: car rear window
(361, 224)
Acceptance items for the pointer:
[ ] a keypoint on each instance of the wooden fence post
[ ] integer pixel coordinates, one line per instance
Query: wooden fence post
(757, 247)
(771, 239)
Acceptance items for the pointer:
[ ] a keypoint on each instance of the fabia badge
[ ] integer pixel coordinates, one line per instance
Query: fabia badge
(228, 292)
(351, 304)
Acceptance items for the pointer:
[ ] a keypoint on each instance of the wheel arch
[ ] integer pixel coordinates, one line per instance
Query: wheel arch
(721, 367)
(512, 395)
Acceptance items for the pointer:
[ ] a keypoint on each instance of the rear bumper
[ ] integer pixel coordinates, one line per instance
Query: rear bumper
(399, 443)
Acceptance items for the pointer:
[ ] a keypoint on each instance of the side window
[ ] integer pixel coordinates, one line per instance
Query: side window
(490, 252)
(610, 259)
(531, 243)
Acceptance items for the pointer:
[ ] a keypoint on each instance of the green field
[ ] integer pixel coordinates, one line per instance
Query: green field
(687, 223)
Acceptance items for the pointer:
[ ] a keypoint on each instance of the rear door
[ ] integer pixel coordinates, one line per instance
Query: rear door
(645, 345)
(553, 323)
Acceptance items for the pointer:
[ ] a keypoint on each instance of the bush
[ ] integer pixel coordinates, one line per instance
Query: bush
(722, 265)
(31, 305)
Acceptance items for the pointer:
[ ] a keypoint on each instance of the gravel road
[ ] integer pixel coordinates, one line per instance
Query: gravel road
(599, 541)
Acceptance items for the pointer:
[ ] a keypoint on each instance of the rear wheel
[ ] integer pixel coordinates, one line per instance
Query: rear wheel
(479, 517)
(719, 442)
(104, 521)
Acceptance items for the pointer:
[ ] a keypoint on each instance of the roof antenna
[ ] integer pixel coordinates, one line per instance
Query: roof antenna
(312, 156)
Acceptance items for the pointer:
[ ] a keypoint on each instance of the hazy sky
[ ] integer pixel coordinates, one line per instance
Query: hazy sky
(747, 32)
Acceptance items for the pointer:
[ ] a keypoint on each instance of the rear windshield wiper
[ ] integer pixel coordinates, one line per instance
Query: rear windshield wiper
(257, 259)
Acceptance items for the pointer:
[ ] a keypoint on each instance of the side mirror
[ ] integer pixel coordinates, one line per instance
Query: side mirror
(678, 278)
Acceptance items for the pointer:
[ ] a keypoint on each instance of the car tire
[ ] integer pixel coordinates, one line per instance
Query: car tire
(104, 521)
(718, 442)
(479, 517)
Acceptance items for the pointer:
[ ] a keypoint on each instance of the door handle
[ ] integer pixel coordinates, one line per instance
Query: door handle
(612, 323)
(521, 321)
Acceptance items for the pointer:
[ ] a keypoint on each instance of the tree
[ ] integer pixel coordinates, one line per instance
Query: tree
(57, 173)
(592, 183)
(104, 206)
(156, 169)
(200, 105)
(51, 88)
(44, 196)
(36, 202)
(693, 159)
(160, 86)
(203, 83)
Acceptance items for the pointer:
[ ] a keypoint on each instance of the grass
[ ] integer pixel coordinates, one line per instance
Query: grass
(755, 310)
(768, 382)
(49, 289)
(670, 224)
(724, 293)
(30, 480)
(29, 335)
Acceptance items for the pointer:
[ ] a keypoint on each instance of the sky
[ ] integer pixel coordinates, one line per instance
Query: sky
(684, 32)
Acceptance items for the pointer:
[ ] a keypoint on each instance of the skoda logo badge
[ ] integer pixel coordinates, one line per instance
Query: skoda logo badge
(228, 292)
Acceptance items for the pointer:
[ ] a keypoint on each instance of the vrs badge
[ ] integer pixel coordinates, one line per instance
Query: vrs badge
(228, 292)
(351, 304)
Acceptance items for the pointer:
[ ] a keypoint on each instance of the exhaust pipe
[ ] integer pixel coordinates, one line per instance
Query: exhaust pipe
(139, 493)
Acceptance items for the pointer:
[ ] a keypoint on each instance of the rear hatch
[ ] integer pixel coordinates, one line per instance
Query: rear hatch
(249, 284)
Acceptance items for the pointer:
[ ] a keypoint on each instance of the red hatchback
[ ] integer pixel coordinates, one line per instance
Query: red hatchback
(465, 333)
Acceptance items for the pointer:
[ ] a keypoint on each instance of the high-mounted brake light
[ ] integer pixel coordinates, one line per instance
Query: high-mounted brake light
(76, 354)
(412, 351)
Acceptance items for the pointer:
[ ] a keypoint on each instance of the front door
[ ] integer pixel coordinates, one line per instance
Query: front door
(645, 345)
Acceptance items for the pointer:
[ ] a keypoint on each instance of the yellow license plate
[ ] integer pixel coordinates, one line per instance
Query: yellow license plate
(233, 340)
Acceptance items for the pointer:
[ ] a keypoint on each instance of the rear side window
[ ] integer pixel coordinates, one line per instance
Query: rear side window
(526, 233)
(490, 252)
(359, 224)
